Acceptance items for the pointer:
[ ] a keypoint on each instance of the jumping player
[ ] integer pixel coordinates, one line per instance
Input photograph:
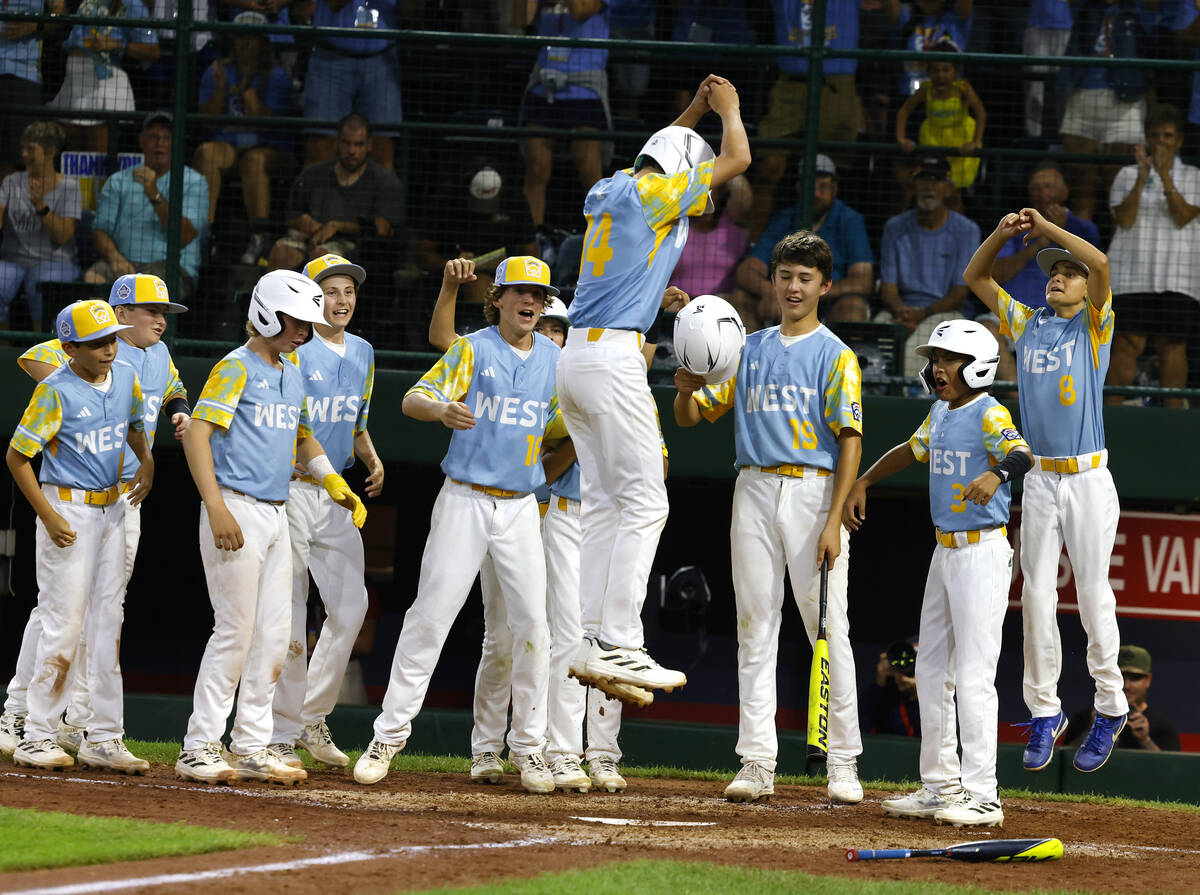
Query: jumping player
(1062, 359)
(80, 418)
(974, 453)
(339, 375)
(797, 457)
(637, 227)
(495, 390)
(140, 302)
(249, 426)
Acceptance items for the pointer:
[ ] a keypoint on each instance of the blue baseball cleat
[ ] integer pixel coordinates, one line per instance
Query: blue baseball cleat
(1043, 732)
(1099, 744)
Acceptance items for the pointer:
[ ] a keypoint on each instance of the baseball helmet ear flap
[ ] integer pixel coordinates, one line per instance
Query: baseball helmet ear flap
(285, 292)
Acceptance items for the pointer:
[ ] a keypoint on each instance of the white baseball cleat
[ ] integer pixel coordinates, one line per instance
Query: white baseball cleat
(287, 754)
(605, 775)
(204, 765)
(319, 743)
(602, 666)
(969, 811)
(535, 776)
(372, 766)
(44, 754)
(486, 767)
(263, 765)
(111, 755)
(842, 782)
(922, 803)
(69, 736)
(12, 729)
(569, 774)
(753, 783)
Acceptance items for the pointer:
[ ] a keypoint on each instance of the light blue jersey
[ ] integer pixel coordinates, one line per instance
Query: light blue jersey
(80, 430)
(567, 484)
(514, 404)
(790, 401)
(261, 413)
(160, 383)
(636, 232)
(1061, 365)
(338, 394)
(958, 445)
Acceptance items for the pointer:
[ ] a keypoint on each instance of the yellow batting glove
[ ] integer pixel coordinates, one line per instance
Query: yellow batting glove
(337, 488)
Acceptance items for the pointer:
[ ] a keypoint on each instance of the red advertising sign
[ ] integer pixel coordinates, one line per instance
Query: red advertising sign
(1155, 568)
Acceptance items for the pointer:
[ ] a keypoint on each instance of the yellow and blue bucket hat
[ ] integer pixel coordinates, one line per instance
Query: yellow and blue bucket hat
(143, 289)
(524, 270)
(86, 321)
(331, 265)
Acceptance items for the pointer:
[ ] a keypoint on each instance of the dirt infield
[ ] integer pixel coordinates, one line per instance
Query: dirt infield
(422, 831)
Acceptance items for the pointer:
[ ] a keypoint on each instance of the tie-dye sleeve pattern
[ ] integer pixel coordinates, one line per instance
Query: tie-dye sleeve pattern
(50, 352)
(137, 410)
(1014, 316)
(843, 394)
(999, 434)
(1100, 327)
(668, 197)
(221, 393)
(304, 427)
(40, 422)
(556, 426)
(919, 442)
(175, 387)
(450, 378)
(364, 409)
(714, 400)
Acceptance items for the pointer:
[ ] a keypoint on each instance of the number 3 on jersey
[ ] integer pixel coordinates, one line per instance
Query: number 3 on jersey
(596, 250)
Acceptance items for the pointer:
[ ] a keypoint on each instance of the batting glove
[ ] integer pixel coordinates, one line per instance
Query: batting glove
(337, 488)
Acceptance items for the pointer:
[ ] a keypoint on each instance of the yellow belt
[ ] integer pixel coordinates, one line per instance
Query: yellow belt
(126, 487)
(595, 333)
(92, 498)
(793, 470)
(950, 538)
(1070, 465)
(309, 479)
(564, 505)
(491, 492)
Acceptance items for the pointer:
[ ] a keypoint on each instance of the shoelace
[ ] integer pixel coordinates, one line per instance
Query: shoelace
(1037, 730)
(535, 762)
(379, 751)
(322, 734)
(1100, 737)
(605, 766)
(754, 772)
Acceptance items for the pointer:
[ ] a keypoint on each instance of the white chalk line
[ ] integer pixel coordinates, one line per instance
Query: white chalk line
(174, 879)
(639, 822)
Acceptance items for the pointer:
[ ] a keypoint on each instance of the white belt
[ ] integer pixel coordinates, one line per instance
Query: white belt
(582, 336)
(1071, 465)
(974, 536)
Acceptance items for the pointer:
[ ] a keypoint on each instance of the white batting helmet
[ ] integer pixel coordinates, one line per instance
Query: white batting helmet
(676, 149)
(556, 310)
(709, 337)
(285, 292)
(963, 337)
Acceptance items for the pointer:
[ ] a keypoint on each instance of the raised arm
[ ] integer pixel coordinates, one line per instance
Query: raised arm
(979, 274)
(441, 324)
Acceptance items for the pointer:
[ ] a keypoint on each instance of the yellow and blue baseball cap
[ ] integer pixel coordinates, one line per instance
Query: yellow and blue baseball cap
(524, 270)
(331, 265)
(143, 289)
(86, 321)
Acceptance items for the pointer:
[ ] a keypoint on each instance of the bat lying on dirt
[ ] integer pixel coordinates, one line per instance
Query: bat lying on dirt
(997, 850)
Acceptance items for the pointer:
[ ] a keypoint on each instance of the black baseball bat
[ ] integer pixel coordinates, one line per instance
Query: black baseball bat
(995, 850)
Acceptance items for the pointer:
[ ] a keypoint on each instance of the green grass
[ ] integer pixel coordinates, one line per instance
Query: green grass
(35, 840)
(656, 877)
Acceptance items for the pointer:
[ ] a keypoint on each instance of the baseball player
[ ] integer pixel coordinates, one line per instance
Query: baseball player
(141, 302)
(495, 390)
(974, 452)
(249, 426)
(80, 419)
(338, 369)
(1063, 353)
(637, 227)
(797, 401)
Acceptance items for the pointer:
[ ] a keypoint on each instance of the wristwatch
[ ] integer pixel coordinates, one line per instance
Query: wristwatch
(43, 211)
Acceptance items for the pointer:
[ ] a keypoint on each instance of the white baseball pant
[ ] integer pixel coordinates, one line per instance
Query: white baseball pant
(250, 591)
(776, 523)
(1081, 510)
(962, 612)
(325, 542)
(467, 525)
(493, 678)
(80, 589)
(609, 411)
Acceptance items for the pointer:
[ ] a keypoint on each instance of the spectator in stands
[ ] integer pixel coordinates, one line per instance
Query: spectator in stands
(923, 254)
(352, 74)
(716, 243)
(95, 79)
(920, 25)
(567, 89)
(1145, 728)
(1155, 255)
(889, 702)
(334, 204)
(840, 226)
(787, 103)
(154, 86)
(38, 211)
(246, 83)
(1106, 107)
(1047, 31)
(1185, 25)
(20, 75)
(133, 212)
